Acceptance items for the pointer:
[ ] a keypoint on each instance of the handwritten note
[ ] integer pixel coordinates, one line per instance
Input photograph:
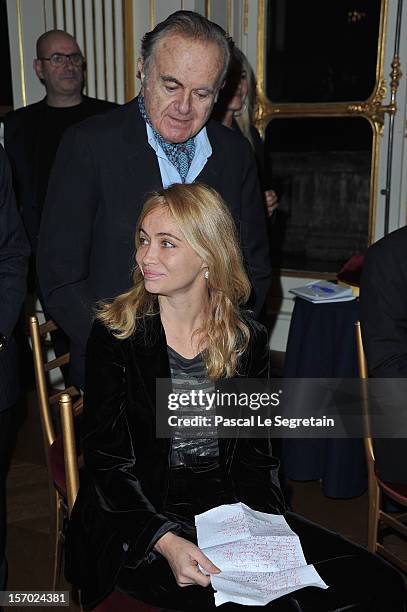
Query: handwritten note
(260, 556)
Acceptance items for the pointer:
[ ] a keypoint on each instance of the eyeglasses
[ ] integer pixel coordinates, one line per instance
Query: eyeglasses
(59, 59)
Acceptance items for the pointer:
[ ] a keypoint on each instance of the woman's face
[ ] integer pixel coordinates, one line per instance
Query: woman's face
(169, 264)
(238, 97)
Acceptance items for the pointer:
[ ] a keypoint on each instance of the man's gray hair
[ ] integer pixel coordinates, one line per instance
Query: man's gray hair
(191, 25)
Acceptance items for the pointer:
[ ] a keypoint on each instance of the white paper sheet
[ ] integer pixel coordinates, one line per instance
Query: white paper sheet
(259, 555)
(254, 589)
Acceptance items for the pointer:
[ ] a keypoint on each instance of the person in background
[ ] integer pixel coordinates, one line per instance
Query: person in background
(184, 321)
(32, 135)
(14, 254)
(235, 109)
(106, 165)
(383, 300)
(383, 317)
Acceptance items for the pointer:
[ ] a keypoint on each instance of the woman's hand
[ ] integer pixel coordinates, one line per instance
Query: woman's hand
(183, 558)
(271, 201)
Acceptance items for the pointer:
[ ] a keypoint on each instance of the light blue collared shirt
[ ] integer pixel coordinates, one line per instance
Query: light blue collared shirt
(169, 173)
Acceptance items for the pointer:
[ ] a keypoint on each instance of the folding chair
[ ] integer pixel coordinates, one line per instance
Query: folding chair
(396, 492)
(48, 400)
(115, 601)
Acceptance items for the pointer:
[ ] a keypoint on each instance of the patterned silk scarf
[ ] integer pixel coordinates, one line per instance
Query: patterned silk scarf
(179, 154)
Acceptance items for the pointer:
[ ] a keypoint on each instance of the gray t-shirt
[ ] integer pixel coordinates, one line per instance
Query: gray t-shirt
(188, 446)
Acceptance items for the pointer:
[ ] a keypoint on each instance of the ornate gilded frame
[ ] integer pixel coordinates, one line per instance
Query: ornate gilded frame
(371, 109)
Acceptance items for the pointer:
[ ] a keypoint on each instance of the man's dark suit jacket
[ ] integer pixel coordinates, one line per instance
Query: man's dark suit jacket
(14, 252)
(23, 130)
(383, 299)
(102, 173)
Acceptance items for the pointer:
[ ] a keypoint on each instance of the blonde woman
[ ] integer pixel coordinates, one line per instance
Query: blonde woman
(132, 527)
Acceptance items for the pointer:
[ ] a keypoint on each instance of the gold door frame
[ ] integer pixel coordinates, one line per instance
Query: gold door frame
(372, 109)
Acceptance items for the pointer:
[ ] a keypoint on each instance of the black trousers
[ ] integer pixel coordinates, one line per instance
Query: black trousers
(358, 580)
(9, 423)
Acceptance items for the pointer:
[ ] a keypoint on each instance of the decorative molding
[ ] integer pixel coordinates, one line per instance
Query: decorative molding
(129, 55)
(75, 33)
(246, 16)
(229, 19)
(21, 53)
(372, 109)
(44, 13)
(96, 57)
(105, 49)
(87, 16)
(109, 25)
(152, 14)
(395, 75)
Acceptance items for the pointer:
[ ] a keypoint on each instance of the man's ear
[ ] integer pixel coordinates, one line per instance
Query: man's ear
(37, 65)
(140, 70)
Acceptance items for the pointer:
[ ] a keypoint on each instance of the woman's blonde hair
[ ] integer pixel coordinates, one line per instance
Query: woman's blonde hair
(208, 227)
(238, 65)
(245, 118)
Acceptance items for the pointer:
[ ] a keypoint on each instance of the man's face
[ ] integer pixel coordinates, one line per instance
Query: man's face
(181, 86)
(64, 80)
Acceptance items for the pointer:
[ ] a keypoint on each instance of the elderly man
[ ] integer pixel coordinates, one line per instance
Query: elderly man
(14, 252)
(106, 166)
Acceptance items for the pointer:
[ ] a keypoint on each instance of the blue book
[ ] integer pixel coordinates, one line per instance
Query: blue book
(322, 292)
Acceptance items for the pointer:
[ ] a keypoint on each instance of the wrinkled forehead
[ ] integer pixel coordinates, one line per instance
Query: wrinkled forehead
(178, 55)
(58, 43)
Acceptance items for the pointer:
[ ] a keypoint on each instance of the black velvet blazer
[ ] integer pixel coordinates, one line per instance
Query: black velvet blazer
(119, 509)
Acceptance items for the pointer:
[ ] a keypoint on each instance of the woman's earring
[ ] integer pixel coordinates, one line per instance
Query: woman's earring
(240, 112)
(206, 275)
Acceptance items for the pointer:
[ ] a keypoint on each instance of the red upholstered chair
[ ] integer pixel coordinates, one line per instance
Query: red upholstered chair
(377, 517)
(115, 601)
(48, 402)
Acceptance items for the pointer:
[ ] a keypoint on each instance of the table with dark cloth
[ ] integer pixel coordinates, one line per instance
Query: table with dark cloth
(321, 344)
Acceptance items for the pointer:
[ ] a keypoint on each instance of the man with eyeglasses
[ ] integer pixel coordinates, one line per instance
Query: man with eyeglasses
(32, 133)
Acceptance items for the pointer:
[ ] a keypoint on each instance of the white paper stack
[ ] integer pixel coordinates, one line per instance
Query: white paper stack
(324, 292)
(259, 556)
